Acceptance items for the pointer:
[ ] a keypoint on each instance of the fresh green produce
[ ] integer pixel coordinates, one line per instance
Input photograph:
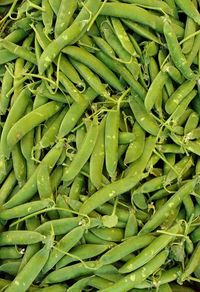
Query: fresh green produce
(99, 145)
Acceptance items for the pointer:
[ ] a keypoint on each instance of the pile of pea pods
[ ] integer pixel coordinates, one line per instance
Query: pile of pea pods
(99, 145)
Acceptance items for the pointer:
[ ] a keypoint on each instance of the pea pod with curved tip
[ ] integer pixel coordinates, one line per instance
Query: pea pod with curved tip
(94, 64)
(138, 166)
(7, 83)
(48, 139)
(174, 73)
(83, 154)
(91, 78)
(75, 112)
(19, 51)
(155, 90)
(31, 120)
(124, 248)
(189, 8)
(64, 17)
(83, 251)
(190, 28)
(123, 36)
(174, 201)
(175, 51)
(111, 141)
(67, 242)
(149, 252)
(132, 279)
(30, 187)
(16, 112)
(97, 157)
(20, 237)
(24, 279)
(191, 123)
(144, 119)
(181, 92)
(69, 36)
(109, 192)
(7, 187)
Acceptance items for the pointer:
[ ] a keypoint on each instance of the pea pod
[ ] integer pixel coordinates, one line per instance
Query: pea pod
(23, 280)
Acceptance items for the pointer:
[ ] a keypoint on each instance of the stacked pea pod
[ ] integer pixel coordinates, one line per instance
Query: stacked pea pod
(99, 145)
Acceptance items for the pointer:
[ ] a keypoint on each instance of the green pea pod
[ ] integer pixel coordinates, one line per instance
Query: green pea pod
(175, 51)
(83, 251)
(16, 112)
(150, 251)
(109, 192)
(63, 246)
(30, 187)
(24, 209)
(31, 270)
(135, 148)
(170, 205)
(126, 247)
(20, 237)
(144, 119)
(83, 154)
(132, 279)
(31, 120)
(111, 141)
(155, 90)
